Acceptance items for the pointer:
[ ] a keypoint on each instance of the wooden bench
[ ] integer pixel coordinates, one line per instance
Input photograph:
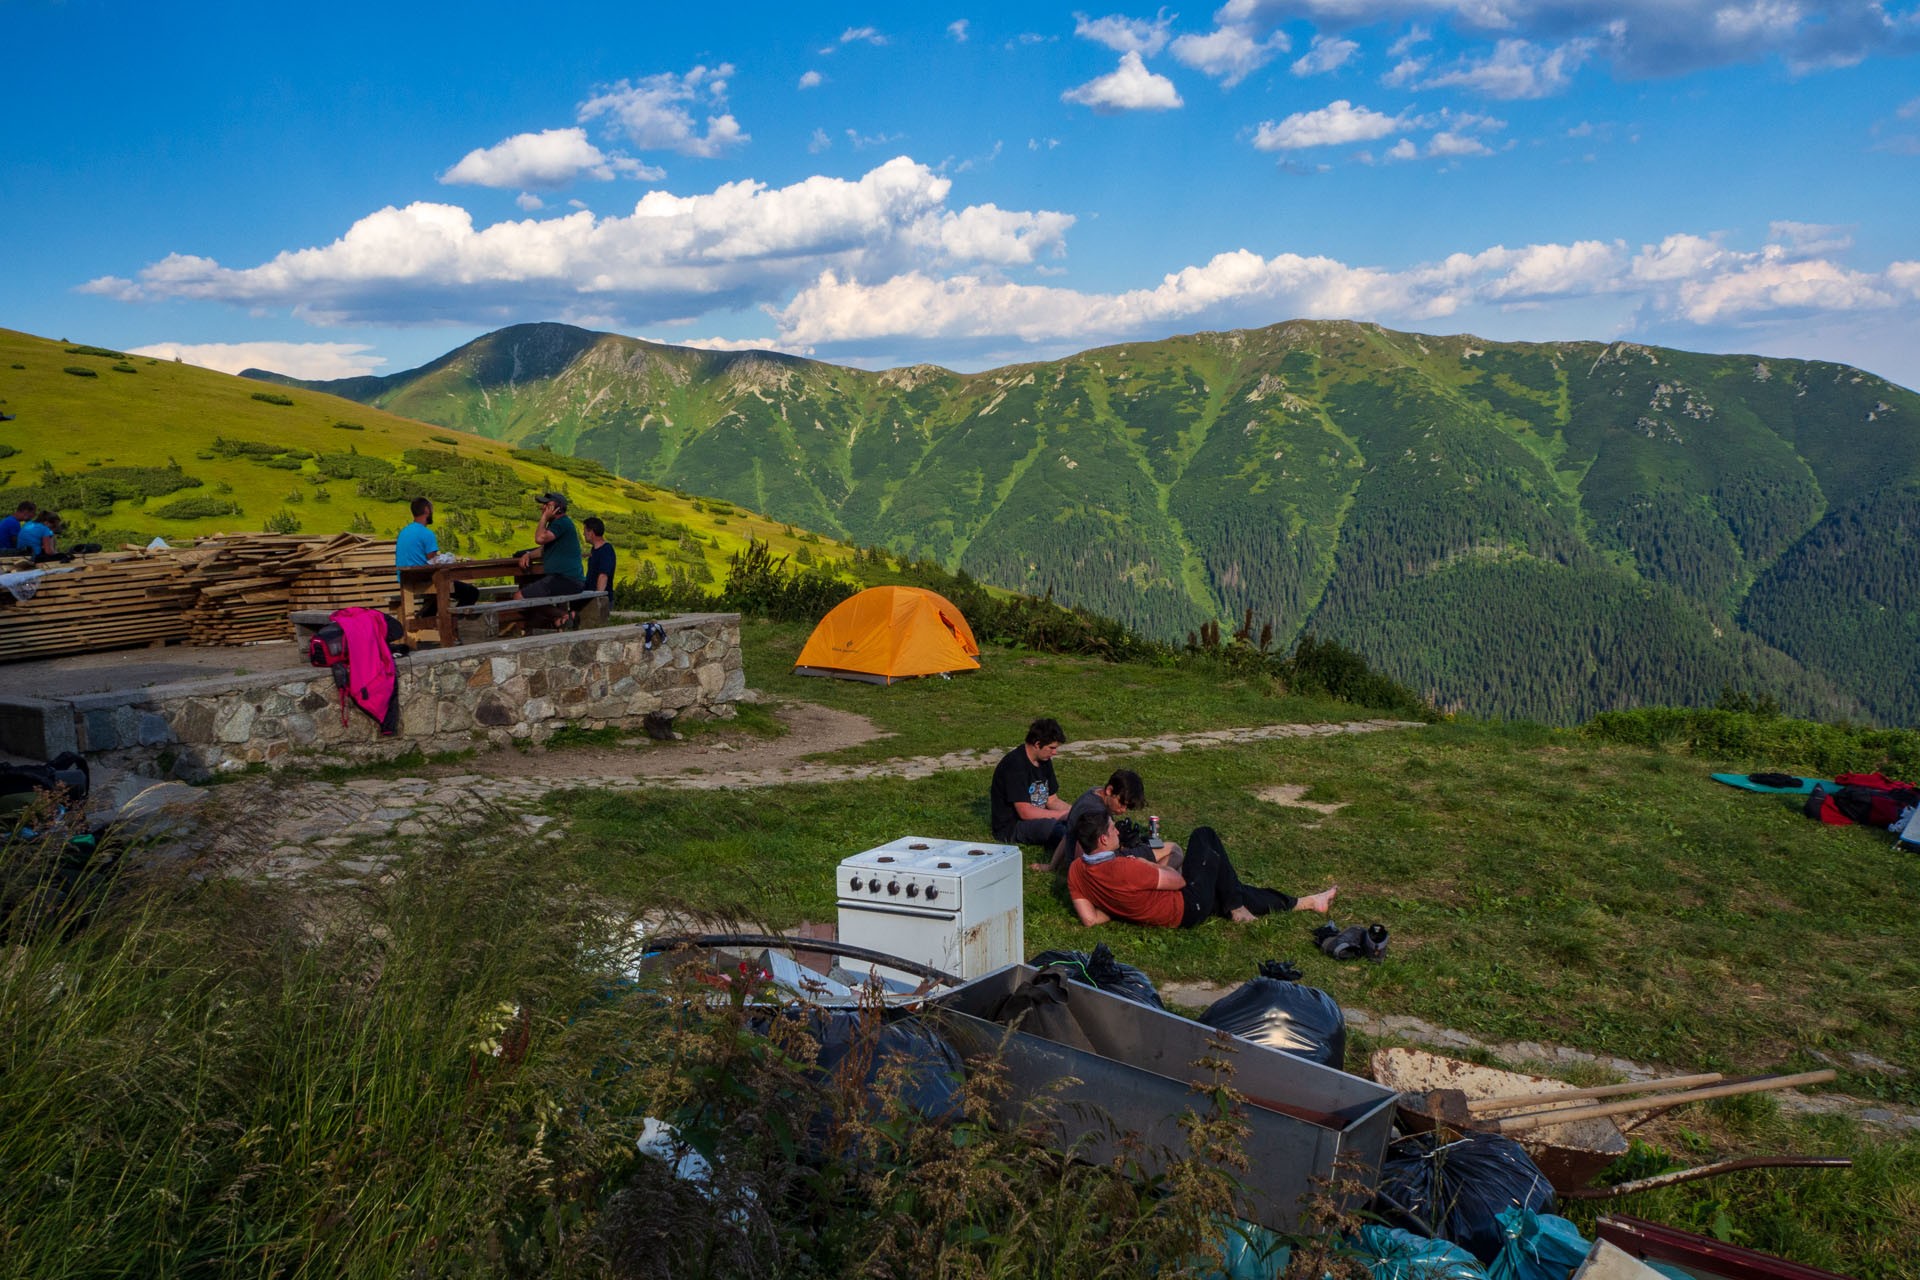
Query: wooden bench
(493, 613)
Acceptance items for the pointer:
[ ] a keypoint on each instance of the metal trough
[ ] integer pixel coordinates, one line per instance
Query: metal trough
(1139, 1077)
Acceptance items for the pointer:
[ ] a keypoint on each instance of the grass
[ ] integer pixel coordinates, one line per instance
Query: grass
(173, 412)
(992, 707)
(1538, 888)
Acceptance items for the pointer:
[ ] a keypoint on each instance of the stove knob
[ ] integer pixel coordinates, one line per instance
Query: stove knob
(932, 893)
(913, 891)
(893, 888)
(873, 885)
(854, 884)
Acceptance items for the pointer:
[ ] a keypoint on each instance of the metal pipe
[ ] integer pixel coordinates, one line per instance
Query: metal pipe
(1709, 1171)
(781, 941)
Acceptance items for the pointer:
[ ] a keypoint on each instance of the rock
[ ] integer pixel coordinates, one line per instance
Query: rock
(234, 722)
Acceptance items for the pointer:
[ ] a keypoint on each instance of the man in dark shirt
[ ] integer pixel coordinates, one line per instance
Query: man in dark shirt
(1124, 793)
(10, 527)
(600, 557)
(1024, 804)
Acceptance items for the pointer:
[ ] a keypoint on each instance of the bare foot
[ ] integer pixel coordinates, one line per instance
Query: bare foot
(1241, 915)
(1319, 901)
(1039, 866)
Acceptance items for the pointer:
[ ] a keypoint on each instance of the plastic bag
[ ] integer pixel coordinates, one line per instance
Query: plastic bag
(1537, 1246)
(1455, 1189)
(1392, 1254)
(1103, 971)
(1248, 1251)
(930, 1084)
(1276, 1011)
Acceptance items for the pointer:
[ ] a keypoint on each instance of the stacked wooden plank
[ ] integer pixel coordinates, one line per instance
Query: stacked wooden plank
(246, 583)
(109, 602)
(227, 589)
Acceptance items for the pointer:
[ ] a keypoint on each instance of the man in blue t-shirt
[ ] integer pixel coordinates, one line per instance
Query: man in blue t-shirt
(10, 527)
(415, 544)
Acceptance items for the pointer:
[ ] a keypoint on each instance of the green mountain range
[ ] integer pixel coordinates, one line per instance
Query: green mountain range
(1546, 530)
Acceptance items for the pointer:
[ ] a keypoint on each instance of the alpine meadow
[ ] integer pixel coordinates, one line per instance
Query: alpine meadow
(1534, 530)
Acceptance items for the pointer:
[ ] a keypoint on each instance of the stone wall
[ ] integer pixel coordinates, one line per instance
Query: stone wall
(450, 699)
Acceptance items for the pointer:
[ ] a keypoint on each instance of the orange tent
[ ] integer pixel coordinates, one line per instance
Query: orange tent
(885, 634)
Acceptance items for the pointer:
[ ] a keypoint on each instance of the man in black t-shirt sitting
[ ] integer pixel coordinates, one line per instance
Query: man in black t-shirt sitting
(1024, 804)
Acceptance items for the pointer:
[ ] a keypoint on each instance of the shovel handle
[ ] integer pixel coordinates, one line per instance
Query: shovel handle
(1479, 1105)
(1765, 1084)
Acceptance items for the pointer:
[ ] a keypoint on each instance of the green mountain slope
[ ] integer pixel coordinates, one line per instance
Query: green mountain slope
(1432, 501)
(129, 448)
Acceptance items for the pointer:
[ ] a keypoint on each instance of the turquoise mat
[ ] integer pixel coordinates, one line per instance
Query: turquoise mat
(1801, 787)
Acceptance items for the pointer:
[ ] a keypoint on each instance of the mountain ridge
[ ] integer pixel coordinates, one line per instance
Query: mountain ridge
(1335, 476)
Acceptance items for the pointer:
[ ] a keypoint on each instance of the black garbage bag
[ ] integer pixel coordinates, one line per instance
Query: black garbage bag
(1103, 971)
(1276, 1011)
(930, 1084)
(1455, 1188)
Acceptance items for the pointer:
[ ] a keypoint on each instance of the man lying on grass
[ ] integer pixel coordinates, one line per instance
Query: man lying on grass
(1123, 793)
(1106, 886)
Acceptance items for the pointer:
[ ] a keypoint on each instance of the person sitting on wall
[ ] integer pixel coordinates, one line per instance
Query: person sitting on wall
(36, 537)
(600, 562)
(1023, 801)
(415, 545)
(1123, 793)
(1104, 886)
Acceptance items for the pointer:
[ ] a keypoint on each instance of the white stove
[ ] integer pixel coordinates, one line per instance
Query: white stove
(957, 905)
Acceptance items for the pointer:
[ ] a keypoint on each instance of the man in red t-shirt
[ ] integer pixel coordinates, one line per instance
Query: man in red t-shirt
(1105, 887)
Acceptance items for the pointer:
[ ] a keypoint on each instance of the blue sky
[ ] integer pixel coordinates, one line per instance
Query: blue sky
(357, 189)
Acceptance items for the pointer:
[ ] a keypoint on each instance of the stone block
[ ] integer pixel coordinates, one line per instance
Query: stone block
(234, 721)
(710, 677)
(560, 678)
(483, 676)
(98, 732)
(452, 717)
(316, 699)
(581, 652)
(620, 670)
(643, 703)
(733, 686)
(301, 729)
(679, 699)
(503, 669)
(571, 700)
(537, 709)
(516, 690)
(596, 687)
(152, 730)
(622, 687)
(416, 717)
(607, 708)
(493, 713)
(537, 683)
(192, 721)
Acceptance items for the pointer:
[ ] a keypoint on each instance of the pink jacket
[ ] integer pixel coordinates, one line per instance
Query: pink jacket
(371, 678)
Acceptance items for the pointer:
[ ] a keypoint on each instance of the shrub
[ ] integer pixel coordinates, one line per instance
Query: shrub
(445, 439)
(348, 426)
(7, 450)
(124, 368)
(283, 521)
(1764, 741)
(197, 509)
(271, 397)
(81, 371)
(353, 466)
(97, 351)
(279, 464)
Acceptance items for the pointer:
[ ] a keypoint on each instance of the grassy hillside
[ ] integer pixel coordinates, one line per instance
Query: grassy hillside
(129, 448)
(1687, 521)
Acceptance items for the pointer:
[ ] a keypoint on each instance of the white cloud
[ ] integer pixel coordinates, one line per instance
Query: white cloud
(529, 202)
(1336, 123)
(1034, 144)
(653, 111)
(868, 35)
(1515, 69)
(1639, 37)
(1909, 110)
(1125, 35)
(1783, 286)
(1229, 54)
(732, 344)
(1129, 87)
(957, 29)
(1804, 238)
(1415, 37)
(862, 141)
(311, 360)
(809, 79)
(1403, 150)
(1328, 53)
(671, 258)
(554, 158)
(819, 141)
(1446, 143)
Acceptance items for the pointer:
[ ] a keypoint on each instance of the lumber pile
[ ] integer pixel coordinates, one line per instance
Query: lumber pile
(110, 602)
(226, 589)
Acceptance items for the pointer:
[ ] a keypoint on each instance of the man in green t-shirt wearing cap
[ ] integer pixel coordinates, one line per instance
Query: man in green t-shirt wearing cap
(560, 561)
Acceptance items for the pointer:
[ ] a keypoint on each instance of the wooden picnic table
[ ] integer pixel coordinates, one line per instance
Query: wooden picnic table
(419, 581)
